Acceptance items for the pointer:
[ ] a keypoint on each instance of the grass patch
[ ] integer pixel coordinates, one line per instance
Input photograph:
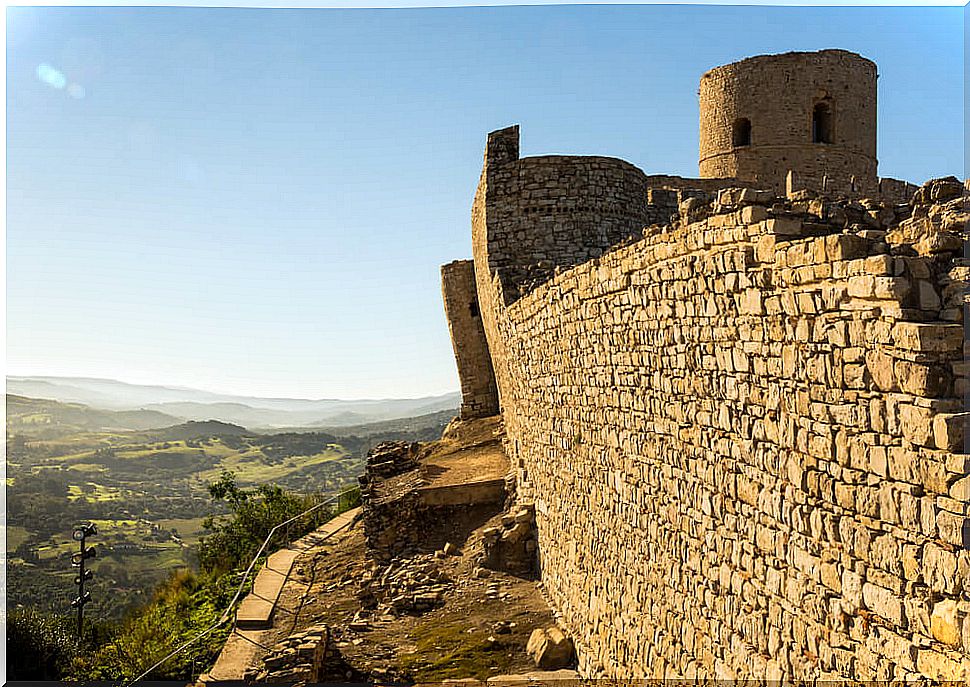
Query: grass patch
(448, 651)
(92, 492)
(190, 529)
(87, 467)
(249, 468)
(16, 536)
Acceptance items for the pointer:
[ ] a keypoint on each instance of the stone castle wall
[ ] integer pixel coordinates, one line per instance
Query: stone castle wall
(777, 95)
(558, 211)
(479, 396)
(743, 434)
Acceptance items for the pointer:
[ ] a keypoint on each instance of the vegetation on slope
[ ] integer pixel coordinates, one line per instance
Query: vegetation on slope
(188, 603)
(145, 491)
(180, 510)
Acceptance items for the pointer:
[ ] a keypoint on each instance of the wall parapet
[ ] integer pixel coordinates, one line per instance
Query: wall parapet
(744, 434)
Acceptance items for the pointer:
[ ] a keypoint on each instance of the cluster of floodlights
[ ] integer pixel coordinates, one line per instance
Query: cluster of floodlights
(81, 534)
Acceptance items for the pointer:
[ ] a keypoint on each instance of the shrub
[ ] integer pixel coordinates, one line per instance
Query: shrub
(182, 607)
(39, 647)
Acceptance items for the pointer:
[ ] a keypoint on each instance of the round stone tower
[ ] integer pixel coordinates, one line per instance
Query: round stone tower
(810, 112)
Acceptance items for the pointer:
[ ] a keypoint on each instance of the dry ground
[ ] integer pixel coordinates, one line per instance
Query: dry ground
(469, 452)
(463, 638)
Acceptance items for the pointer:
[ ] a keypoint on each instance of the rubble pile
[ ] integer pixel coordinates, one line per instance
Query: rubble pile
(298, 658)
(390, 458)
(405, 586)
(512, 546)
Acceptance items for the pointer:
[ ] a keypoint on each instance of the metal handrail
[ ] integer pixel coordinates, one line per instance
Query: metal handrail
(228, 612)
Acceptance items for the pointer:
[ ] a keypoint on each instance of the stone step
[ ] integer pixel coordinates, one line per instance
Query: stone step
(555, 678)
(464, 494)
(256, 610)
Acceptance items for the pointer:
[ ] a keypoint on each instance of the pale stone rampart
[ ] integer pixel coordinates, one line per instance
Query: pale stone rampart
(744, 445)
(740, 413)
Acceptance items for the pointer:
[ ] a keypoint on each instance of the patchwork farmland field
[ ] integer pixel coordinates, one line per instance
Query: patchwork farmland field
(146, 490)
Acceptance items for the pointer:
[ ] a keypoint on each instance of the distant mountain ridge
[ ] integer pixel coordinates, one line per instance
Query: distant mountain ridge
(33, 415)
(183, 404)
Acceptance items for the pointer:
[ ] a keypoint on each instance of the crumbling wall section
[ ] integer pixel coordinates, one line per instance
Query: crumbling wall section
(837, 185)
(744, 439)
(479, 396)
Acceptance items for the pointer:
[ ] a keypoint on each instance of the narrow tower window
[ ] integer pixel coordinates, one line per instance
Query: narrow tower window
(822, 123)
(742, 132)
(473, 308)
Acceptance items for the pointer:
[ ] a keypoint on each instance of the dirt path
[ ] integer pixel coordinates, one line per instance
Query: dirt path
(474, 454)
(475, 633)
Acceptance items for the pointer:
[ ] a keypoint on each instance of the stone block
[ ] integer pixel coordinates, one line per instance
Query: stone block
(940, 570)
(953, 529)
(890, 288)
(879, 265)
(852, 589)
(550, 649)
(941, 667)
(929, 381)
(844, 247)
(928, 337)
(752, 214)
(950, 432)
(881, 369)
(946, 623)
(916, 424)
(784, 226)
(883, 602)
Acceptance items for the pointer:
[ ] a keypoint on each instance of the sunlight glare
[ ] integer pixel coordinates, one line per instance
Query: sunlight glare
(51, 76)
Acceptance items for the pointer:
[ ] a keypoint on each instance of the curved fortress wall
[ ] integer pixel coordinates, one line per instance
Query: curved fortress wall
(743, 443)
(761, 117)
(555, 211)
(534, 216)
(741, 461)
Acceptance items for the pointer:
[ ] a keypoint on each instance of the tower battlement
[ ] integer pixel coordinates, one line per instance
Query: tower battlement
(736, 403)
(813, 112)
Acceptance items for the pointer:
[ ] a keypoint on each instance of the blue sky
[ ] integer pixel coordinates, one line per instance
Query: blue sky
(258, 201)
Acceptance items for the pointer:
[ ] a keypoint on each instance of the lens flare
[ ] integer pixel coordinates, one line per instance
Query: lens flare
(76, 91)
(51, 76)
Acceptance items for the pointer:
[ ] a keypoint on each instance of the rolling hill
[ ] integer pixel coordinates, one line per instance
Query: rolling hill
(42, 416)
(258, 413)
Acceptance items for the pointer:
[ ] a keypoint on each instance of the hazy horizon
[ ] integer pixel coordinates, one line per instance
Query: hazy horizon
(257, 201)
(182, 387)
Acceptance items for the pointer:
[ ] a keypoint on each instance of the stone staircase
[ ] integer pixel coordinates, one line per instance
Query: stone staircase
(254, 619)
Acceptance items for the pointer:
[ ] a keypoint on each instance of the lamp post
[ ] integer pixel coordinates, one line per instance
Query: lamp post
(77, 560)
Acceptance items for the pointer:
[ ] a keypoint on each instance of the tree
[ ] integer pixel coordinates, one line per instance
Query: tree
(236, 538)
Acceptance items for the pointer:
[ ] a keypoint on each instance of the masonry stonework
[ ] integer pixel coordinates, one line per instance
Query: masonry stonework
(479, 394)
(739, 415)
(778, 98)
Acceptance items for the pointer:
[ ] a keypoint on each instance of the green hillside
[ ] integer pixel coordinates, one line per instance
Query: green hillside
(144, 485)
(41, 417)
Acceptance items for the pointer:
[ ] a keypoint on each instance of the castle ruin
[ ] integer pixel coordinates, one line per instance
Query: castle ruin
(737, 402)
(813, 114)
